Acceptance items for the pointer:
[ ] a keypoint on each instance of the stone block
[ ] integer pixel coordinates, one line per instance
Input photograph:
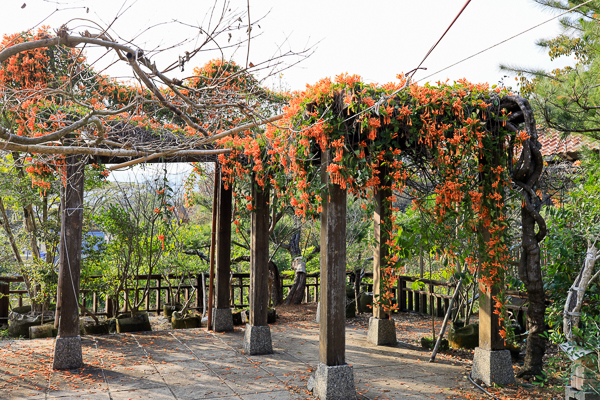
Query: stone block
(42, 331)
(365, 302)
(466, 337)
(574, 394)
(333, 382)
(382, 332)
(67, 353)
(222, 320)
(493, 366)
(257, 340)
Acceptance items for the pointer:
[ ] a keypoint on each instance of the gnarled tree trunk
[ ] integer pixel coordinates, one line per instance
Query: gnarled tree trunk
(525, 175)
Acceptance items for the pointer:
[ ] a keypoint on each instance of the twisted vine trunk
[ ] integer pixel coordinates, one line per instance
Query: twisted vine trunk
(526, 174)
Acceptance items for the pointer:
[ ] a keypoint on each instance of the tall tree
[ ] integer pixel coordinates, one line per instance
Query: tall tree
(568, 99)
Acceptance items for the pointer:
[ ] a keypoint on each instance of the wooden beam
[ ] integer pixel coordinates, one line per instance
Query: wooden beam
(259, 257)
(70, 248)
(223, 247)
(332, 339)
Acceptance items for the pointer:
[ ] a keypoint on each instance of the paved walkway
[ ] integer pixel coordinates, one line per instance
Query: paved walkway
(194, 364)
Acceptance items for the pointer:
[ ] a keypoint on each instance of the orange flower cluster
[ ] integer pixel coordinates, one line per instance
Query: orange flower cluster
(374, 137)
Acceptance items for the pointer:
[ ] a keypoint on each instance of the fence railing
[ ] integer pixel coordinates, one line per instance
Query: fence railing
(152, 292)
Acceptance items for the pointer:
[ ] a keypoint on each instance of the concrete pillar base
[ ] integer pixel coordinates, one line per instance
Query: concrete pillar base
(222, 320)
(574, 394)
(257, 340)
(67, 353)
(492, 366)
(333, 382)
(382, 332)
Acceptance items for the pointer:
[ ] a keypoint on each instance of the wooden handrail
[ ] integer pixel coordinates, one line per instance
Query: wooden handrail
(423, 300)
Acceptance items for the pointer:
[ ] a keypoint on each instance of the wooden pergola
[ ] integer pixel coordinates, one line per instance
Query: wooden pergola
(333, 377)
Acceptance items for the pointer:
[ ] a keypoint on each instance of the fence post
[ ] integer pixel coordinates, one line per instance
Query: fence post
(431, 301)
(199, 292)
(4, 300)
(158, 290)
(401, 294)
(440, 310)
(423, 297)
(417, 302)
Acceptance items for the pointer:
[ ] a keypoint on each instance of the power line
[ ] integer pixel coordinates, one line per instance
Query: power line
(440, 39)
(499, 43)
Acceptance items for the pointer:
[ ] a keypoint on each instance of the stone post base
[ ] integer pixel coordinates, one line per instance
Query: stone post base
(492, 367)
(333, 382)
(574, 394)
(257, 340)
(222, 320)
(67, 353)
(382, 331)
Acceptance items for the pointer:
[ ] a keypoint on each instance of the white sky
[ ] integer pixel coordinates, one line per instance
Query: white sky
(376, 39)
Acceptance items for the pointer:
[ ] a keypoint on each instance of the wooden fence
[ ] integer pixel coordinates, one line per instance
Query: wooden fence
(429, 296)
(157, 293)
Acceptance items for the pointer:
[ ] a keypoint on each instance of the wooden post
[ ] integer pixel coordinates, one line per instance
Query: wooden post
(222, 320)
(213, 245)
(489, 324)
(332, 339)
(382, 213)
(333, 379)
(4, 301)
(259, 257)
(67, 351)
(402, 294)
(491, 362)
(431, 300)
(417, 300)
(257, 339)
(199, 292)
(158, 293)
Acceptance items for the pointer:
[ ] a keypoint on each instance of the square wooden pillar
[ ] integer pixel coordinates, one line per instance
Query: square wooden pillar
(382, 329)
(492, 363)
(333, 379)
(257, 339)
(222, 319)
(381, 214)
(489, 324)
(67, 349)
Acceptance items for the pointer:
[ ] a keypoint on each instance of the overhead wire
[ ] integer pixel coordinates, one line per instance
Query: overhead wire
(441, 37)
(503, 41)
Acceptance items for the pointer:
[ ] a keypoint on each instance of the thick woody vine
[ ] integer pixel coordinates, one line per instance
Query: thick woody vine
(459, 135)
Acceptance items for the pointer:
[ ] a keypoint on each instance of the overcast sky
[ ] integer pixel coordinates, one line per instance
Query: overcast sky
(376, 39)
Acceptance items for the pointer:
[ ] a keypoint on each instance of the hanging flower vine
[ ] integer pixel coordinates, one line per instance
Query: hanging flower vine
(384, 137)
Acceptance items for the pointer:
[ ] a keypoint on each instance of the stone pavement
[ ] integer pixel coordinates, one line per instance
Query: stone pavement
(194, 364)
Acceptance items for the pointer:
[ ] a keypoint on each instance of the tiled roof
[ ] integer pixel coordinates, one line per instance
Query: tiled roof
(553, 145)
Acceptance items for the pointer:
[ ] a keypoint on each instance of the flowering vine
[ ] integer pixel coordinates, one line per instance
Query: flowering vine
(386, 137)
